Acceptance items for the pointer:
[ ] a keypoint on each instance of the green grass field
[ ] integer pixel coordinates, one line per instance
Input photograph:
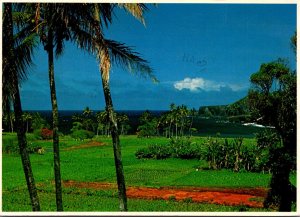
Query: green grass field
(97, 164)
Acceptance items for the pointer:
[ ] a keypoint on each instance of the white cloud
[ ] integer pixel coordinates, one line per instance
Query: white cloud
(196, 84)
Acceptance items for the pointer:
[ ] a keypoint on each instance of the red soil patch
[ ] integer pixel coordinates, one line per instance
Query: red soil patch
(87, 145)
(251, 197)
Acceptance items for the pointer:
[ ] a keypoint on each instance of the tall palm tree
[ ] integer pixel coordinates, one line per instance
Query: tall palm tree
(52, 36)
(108, 51)
(52, 25)
(55, 22)
(83, 24)
(17, 53)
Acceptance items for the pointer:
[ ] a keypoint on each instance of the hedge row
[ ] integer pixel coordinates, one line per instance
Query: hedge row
(219, 153)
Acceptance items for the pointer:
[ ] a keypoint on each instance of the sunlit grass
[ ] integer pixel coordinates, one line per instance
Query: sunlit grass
(97, 164)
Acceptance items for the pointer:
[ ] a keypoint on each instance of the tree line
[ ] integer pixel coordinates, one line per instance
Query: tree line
(176, 122)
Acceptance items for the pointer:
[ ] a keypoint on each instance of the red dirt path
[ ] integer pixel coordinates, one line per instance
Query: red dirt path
(87, 145)
(250, 197)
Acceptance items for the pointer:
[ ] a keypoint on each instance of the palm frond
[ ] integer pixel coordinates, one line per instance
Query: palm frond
(105, 12)
(125, 57)
(135, 9)
(23, 55)
(21, 18)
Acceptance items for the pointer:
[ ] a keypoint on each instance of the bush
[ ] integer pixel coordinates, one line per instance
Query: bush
(82, 134)
(184, 148)
(11, 146)
(143, 153)
(46, 133)
(217, 152)
(154, 152)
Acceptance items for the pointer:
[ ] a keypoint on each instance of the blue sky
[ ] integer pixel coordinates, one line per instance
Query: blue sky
(202, 54)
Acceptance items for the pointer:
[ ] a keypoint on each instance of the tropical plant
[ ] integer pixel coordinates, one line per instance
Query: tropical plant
(17, 53)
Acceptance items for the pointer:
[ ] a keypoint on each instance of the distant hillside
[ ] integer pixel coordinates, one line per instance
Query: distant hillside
(235, 112)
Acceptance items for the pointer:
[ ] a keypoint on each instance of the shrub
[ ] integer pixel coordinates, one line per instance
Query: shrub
(82, 134)
(46, 133)
(184, 148)
(154, 151)
(10, 146)
(160, 151)
(143, 153)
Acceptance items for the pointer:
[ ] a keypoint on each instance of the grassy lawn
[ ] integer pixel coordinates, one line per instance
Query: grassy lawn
(97, 164)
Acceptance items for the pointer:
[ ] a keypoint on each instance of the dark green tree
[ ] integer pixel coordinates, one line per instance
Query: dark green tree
(272, 100)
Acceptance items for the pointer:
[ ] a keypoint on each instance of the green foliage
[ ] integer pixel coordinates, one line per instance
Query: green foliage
(147, 126)
(184, 148)
(10, 144)
(267, 139)
(235, 112)
(38, 122)
(273, 101)
(37, 134)
(156, 151)
(234, 154)
(82, 134)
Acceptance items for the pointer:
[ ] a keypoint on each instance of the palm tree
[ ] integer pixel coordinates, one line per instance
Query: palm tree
(83, 24)
(182, 114)
(52, 36)
(27, 117)
(17, 55)
(108, 51)
(87, 112)
(55, 23)
(52, 24)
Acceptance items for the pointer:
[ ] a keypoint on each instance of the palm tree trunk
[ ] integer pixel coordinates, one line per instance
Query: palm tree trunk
(27, 126)
(24, 153)
(58, 189)
(8, 28)
(116, 146)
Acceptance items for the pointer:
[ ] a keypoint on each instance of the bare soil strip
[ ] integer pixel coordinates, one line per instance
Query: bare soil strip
(87, 145)
(250, 197)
